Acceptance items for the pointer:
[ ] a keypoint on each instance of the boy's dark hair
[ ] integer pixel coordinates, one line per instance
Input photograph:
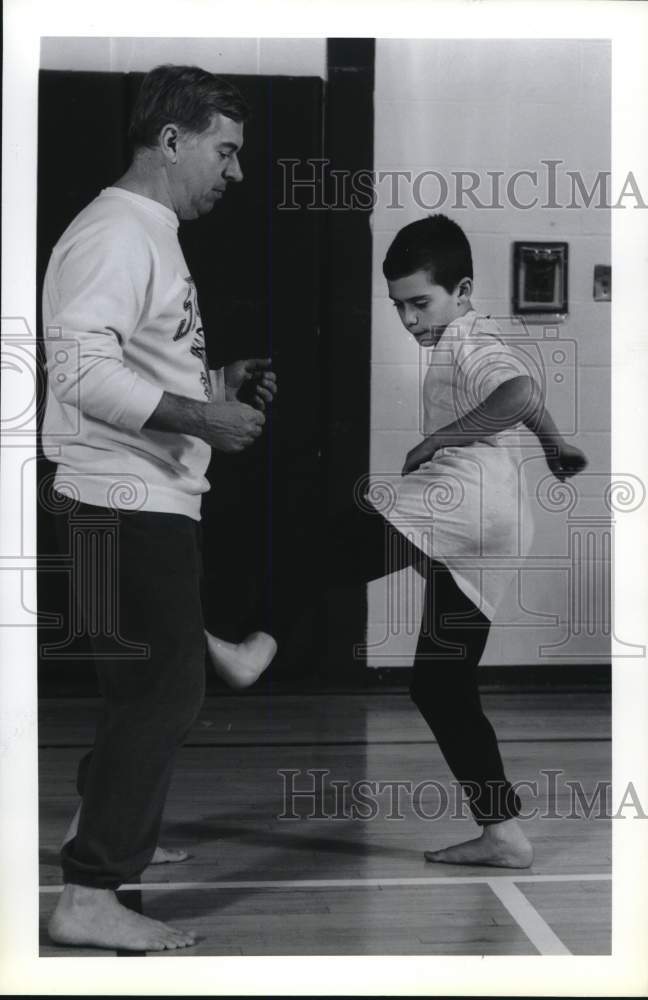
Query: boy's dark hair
(435, 244)
(185, 95)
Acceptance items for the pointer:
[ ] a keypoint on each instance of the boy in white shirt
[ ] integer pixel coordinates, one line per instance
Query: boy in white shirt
(456, 511)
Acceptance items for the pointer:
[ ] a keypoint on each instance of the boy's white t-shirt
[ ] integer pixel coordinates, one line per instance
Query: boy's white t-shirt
(121, 326)
(467, 507)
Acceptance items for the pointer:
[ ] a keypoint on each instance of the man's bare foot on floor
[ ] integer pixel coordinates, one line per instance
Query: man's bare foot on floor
(241, 664)
(168, 856)
(501, 844)
(94, 918)
(161, 856)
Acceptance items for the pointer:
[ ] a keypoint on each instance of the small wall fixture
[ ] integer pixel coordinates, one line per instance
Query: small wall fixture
(602, 283)
(540, 278)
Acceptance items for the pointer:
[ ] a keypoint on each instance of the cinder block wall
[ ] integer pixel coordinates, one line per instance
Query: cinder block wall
(504, 105)
(263, 56)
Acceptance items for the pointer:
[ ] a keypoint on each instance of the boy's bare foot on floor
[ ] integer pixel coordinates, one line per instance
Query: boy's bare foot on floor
(161, 856)
(94, 918)
(501, 844)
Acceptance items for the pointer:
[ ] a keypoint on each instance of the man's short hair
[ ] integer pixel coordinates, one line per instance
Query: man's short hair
(436, 245)
(186, 96)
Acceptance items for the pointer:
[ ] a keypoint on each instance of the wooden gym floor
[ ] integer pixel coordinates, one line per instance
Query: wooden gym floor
(257, 884)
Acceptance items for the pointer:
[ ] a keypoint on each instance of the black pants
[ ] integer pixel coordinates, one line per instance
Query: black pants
(452, 638)
(150, 702)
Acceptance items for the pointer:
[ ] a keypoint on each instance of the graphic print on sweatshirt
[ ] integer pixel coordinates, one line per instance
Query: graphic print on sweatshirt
(191, 326)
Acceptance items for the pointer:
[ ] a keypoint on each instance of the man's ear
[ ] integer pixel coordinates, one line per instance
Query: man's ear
(464, 290)
(169, 142)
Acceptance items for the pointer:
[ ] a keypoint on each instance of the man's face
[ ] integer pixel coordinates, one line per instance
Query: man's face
(207, 162)
(425, 309)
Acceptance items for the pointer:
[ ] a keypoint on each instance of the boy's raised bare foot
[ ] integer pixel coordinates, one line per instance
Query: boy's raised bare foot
(501, 844)
(241, 664)
(161, 855)
(94, 918)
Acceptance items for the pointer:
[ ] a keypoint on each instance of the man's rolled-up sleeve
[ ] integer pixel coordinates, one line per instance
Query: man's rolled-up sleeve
(217, 383)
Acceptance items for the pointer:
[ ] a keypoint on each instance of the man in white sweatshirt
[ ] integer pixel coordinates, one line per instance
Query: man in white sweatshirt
(132, 414)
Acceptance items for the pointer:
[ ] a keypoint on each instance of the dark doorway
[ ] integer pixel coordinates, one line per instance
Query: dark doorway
(257, 270)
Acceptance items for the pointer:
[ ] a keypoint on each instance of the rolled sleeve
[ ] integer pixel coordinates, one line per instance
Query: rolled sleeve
(217, 383)
(485, 362)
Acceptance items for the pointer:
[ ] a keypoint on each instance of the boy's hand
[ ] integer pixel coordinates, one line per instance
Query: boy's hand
(565, 460)
(417, 456)
(251, 382)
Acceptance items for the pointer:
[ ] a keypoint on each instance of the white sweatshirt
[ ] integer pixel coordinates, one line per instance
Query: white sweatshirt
(121, 325)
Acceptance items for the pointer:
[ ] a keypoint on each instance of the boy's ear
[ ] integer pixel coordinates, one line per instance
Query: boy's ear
(464, 289)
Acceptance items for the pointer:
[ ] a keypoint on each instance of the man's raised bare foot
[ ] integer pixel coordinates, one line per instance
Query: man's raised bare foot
(240, 665)
(501, 844)
(94, 918)
(161, 855)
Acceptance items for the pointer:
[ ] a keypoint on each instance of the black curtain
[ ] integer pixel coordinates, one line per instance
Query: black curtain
(257, 270)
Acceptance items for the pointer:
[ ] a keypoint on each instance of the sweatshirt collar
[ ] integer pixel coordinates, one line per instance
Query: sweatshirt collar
(161, 212)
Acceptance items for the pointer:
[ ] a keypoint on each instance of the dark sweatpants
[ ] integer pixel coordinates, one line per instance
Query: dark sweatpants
(149, 704)
(444, 686)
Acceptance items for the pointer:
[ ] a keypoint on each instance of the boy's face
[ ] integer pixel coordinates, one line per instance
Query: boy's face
(425, 309)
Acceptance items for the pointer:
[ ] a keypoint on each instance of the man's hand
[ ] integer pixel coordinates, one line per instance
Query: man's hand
(564, 460)
(227, 427)
(251, 382)
(231, 427)
(423, 452)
